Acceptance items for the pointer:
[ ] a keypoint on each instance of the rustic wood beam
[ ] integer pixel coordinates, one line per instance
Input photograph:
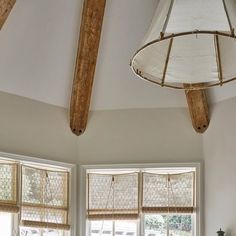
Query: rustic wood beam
(5, 9)
(90, 32)
(198, 108)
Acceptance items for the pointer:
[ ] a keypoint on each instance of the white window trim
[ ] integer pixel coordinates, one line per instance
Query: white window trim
(73, 177)
(198, 227)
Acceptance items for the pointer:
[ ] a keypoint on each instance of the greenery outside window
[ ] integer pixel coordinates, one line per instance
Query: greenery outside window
(170, 225)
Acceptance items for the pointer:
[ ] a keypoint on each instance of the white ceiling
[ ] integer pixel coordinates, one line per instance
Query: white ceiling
(38, 49)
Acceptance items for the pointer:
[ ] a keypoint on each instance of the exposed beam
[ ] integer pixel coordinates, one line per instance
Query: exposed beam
(90, 32)
(5, 9)
(198, 108)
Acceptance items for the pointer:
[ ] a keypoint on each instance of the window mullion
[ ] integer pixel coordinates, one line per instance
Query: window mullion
(12, 225)
(113, 227)
(141, 225)
(15, 225)
(168, 229)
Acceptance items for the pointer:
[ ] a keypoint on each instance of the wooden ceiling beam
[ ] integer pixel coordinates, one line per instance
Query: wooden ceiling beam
(90, 33)
(5, 9)
(198, 108)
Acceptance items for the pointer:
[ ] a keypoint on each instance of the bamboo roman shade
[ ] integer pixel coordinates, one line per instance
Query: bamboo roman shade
(44, 198)
(168, 193)
(113, 196)
(8, 187)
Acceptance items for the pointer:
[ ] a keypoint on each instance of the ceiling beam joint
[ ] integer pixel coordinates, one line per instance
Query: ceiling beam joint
(5, 9)
(198, 108)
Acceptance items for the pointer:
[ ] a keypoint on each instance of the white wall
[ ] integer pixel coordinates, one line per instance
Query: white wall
(166, 135)
(132, 136)
(127, 136)
(139, 136)
(219, 146)
(35, 129)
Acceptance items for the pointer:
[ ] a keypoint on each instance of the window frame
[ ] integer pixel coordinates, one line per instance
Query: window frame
(198, 222)
(72, 168)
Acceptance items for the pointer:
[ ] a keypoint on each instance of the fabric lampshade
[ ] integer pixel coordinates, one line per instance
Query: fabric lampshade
(189, 42)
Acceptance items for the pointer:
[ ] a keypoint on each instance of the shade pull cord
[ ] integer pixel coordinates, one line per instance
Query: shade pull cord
(108, 197)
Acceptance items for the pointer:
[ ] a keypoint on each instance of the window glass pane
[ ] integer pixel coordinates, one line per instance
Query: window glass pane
(5, 224)
(180, 225)
(101, 228)
(155, 225)
(168, 225)
(126, 227)
(40, 232)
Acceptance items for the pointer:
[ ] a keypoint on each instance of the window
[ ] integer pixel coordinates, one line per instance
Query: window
(34, 198)
(113, 197)
(168, 203)
(44, 198)
(144, 201)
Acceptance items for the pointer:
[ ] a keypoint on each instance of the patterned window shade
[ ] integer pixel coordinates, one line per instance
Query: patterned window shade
(113, 196)
(168, 193)
(8, 187)
(44, 198)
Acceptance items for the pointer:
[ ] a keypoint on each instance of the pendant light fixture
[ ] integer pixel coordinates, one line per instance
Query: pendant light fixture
(190, 43)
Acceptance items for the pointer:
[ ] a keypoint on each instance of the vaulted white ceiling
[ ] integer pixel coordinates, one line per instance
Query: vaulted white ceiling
(38, 46)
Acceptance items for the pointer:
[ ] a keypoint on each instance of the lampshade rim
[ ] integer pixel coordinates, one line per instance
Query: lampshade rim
(175, 35)
(197, 86)
(191, 86)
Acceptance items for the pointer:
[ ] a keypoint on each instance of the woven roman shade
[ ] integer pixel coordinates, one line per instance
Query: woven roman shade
(8, 187)
(44, 198)
(113, 196)
(168, 193)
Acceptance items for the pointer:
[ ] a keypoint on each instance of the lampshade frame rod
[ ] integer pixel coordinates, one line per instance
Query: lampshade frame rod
(166, 62)
(167, 19)
(180, 86)
(171, 7)
(191, 86)
(228, 18)
(196, 32)
(218, 59)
